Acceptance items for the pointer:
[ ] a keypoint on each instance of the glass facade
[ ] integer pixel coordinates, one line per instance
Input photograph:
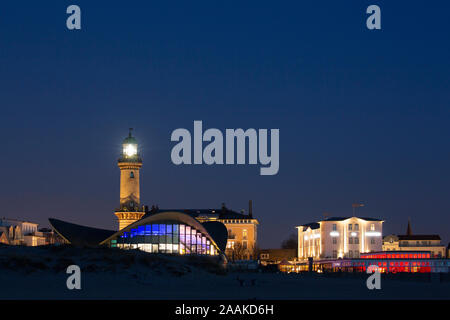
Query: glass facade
(165, 238)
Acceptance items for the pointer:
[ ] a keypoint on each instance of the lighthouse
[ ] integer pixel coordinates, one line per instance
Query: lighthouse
(130, 163)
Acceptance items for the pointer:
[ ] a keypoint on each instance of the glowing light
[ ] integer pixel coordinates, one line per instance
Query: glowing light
(353, 234)
(130, 150)
(334, 234)
(373, 234)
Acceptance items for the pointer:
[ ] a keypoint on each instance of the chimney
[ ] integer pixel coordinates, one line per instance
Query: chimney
(250, 208)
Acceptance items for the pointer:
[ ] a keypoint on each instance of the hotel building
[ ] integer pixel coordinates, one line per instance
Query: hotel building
(339, 237)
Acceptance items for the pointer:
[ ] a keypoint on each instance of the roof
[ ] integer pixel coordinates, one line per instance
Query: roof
(420, 237)
(218, 232)
(130, 139)
(345, 218)
(220, 213)
(313, 225)
(79, 235)
(316, 225)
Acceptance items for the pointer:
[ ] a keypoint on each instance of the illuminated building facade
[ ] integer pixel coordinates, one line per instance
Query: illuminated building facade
(18, 232)
(415, 242)
(386, 262)
(241, 228)
(168, 232)
(171, 232)
(339, 237)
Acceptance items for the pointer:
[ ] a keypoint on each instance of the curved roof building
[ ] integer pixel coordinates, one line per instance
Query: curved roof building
(171, 232)
(166, 232)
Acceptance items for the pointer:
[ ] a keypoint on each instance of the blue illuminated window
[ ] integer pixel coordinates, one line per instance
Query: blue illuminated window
(141, 230)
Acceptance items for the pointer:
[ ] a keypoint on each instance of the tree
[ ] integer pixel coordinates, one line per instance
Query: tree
(238, 252)
(291, 242)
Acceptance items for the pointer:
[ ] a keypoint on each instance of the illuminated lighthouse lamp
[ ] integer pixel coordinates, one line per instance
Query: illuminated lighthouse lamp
(130, 150)
(130, 147)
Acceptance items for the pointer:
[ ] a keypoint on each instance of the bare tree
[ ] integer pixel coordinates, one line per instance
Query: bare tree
(291, 242)
(238, 252)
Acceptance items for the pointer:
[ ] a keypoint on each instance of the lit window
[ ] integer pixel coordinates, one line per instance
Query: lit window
(372, 227)
(132, 175)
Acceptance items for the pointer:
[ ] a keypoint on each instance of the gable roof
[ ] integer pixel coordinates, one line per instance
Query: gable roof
(345, 218)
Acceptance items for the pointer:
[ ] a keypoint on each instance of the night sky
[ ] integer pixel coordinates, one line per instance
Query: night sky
(363, 115)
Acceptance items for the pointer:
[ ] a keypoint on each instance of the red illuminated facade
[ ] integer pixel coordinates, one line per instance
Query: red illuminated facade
(386, 261)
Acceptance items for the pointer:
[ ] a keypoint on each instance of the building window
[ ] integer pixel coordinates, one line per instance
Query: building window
(334, 227)
(356, 240)
(356, 227)
(350, 240)
(372, 227)
(244, 244)
(372, 241)
(132, 175)
(244, 234)
(334, 254)
(334, 240)
(350, 227)
(356, 254)
(350, 254)
(264, 256)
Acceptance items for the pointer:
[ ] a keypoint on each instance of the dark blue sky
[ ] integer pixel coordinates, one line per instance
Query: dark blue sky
(363, 115)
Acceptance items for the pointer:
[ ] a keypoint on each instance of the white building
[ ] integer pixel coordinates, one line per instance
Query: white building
(18, 232)
(339, 237)
(415, 242)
